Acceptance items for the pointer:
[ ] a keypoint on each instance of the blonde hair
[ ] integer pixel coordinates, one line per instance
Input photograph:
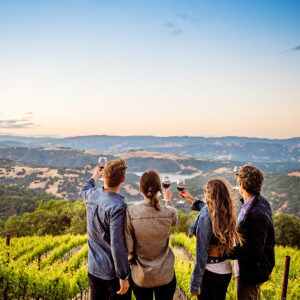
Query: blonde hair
(221, 210)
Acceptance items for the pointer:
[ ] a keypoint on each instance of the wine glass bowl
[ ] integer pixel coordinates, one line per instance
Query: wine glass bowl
(166, 182)
(102, 162)
(180, 188)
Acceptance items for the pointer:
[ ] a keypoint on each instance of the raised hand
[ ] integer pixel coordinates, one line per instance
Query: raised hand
(167, 195)
(97, 173)
(185, 194)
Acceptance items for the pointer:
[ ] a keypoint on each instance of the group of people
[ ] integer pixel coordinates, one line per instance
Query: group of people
(129, 246)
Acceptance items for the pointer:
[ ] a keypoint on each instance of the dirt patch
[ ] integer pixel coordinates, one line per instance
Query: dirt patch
(223, 170)
(295, 173)
(147, 154)
(37, 185)
(130, 190)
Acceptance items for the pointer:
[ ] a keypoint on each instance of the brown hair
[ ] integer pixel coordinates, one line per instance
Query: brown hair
(251, 179)
(150, 185)
(221, 210)
(114, 172)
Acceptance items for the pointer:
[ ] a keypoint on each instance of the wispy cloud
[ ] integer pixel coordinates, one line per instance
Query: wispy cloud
(25, 122)
(185, 17)
(175, 25)
(297, 48)
(173, 28)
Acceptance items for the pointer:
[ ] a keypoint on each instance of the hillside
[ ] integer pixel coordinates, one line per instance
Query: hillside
(281, 189)
(137, 160)
(44, 183)
(216, 148)
(15, 200)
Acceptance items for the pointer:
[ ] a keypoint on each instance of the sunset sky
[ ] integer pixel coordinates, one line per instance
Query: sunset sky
(120, 67)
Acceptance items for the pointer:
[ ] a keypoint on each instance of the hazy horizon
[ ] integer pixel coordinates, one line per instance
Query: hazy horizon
(161, 68)
(149, 135)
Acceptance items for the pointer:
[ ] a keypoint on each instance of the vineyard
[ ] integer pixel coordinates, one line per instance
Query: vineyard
(56, 268)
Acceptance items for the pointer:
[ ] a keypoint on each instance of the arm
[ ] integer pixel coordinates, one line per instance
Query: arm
(203, 237)
(129, 233)
(168, 203)
(87, 189)
(197, 203)
(118, 247)
(89, 186)
(256, 238)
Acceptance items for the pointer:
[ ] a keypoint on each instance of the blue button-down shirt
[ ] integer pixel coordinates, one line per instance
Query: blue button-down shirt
(243, 211)
(107, 254)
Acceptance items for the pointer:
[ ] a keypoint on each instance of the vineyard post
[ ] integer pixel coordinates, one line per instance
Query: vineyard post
(8, 245)
(285, 277)
(39, 261)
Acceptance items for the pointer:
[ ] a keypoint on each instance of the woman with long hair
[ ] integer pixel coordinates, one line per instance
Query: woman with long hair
(215, 226)
(147, 228)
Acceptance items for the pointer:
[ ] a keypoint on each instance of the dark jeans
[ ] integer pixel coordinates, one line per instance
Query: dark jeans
(247, 292)
(214, 286)
(164, 292)
(106, 289)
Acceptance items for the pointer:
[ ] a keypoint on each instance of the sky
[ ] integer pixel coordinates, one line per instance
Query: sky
(165, 68)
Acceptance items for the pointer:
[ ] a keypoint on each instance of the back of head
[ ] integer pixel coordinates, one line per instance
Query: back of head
(251, 179)
(150, 185)
(114, 172)
(221, 210)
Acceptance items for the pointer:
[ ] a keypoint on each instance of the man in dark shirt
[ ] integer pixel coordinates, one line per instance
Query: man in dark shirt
(255, 259)
(107, 256)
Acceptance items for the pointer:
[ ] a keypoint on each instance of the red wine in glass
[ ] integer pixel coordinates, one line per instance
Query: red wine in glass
(180, 185)
(180, 188)
(166, 182)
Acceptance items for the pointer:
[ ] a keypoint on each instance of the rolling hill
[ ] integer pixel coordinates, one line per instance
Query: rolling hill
(216, 148)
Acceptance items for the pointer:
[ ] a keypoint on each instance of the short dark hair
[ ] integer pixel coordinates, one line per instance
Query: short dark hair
(251, 179)
(114, 172)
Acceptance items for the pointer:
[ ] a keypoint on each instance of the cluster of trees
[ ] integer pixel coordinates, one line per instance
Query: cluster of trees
(58, 217)
(15, 200)
(55, 217)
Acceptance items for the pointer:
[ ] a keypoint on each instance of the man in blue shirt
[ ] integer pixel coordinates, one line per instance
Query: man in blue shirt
(107, 255)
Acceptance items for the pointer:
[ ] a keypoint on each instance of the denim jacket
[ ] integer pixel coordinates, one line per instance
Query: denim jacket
(106, 211)
(202, 229)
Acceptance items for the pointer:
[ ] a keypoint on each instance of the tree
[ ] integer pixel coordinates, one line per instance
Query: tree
(287, 228)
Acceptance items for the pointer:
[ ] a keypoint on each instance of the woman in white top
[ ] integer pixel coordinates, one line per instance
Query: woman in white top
(214, 226)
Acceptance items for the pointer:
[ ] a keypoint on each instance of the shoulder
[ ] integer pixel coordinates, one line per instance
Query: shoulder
(118, 207)
(261, 209)
(204, 216)
(170, 210)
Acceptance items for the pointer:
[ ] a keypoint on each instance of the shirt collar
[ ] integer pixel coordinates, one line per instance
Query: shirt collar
(247, 204)
(113, 194)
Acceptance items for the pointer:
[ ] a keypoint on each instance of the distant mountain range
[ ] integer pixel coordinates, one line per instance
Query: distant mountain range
(137, 160)
(215, 148)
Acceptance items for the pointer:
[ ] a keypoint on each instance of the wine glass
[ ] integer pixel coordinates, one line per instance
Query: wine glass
(101, 163)
(236, 174)
(180, 188)
(166, 182)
